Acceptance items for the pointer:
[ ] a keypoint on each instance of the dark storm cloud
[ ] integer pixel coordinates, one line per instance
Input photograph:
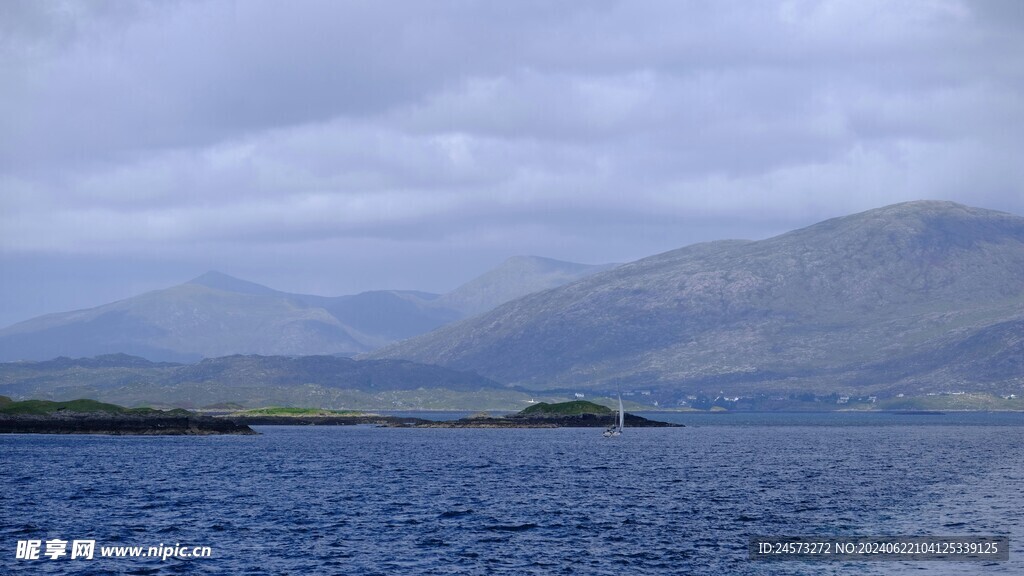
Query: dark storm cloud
(381, 135)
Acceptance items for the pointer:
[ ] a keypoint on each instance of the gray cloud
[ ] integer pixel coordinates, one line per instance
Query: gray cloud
(386, 136)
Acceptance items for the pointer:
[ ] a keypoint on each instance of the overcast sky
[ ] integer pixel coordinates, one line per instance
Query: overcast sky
(334, 147)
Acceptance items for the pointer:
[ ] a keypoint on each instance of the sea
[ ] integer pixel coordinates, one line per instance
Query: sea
(360, 500)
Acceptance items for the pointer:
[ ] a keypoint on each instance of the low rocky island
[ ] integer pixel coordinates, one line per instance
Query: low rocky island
(92, 417)
(576, 414)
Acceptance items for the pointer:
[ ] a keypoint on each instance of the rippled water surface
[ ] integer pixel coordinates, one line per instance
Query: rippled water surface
(364, 500)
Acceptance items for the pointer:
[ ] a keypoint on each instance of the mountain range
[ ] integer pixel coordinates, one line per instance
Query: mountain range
(915, 298)
(910, 300)
(217, 315)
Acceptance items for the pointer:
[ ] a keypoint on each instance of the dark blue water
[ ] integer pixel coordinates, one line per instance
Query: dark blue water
(363, 500)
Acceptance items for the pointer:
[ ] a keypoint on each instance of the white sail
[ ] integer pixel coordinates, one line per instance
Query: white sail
(622, 415)
(616, 428)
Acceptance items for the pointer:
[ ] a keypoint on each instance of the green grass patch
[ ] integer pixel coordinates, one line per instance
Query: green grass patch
(49, 407)
(968, 401)
(565, 409)
(81, 406)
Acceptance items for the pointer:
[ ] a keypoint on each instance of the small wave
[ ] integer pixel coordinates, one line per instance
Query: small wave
(26, 529)
(512, 527)
(455, 513)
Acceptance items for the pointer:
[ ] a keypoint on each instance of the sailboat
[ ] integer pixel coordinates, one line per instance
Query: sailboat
(616, 428)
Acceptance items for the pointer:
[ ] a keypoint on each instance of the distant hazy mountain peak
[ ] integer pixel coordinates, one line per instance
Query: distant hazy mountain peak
(221, 281)
(540, 261)
(515, 277)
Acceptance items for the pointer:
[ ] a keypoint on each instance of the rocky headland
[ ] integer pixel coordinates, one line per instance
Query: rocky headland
(91, 417)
